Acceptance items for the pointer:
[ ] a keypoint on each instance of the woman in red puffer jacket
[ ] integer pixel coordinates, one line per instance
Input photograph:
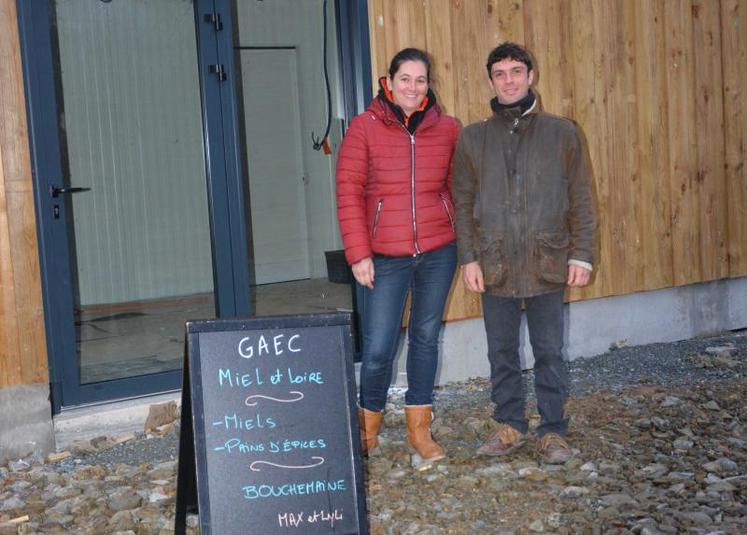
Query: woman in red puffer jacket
(397, 222)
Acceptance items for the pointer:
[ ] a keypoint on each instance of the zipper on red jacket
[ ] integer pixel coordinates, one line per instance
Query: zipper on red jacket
(412, 190)
(446, 207)
(376, 218)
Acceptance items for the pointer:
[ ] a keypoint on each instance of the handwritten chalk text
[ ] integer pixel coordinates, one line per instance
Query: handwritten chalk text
(305, 377)
(233, 421)
(294, 520)
(300, 488)
(226, 376)
(274, 346)
(277, 446)
(236, 445)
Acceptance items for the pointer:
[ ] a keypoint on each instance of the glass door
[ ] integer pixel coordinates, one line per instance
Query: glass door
(134, 182)
(139, 200)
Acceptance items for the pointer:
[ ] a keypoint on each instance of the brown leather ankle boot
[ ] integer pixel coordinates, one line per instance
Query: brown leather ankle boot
(419, 418)
(370, 423)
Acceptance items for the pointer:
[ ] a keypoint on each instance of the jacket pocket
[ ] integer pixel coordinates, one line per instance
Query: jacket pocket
(449, 211)
(492, 261)
(552, 252)
(375, 223)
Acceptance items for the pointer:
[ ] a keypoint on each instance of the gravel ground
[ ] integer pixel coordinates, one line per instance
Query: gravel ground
(666, 365)
(659, 434)
(670, 364)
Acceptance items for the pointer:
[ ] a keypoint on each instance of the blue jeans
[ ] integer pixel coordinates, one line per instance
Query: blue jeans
(429, 277)
(502, 317)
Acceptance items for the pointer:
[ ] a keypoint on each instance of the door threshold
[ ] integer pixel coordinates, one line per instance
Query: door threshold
(112, 419)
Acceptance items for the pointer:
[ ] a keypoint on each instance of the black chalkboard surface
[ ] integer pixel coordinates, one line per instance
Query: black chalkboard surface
(273, 443)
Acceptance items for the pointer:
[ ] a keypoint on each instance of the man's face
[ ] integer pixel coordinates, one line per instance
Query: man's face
(510, 80)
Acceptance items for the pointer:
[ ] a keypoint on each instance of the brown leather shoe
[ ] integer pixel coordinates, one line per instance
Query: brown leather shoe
(554, 449)
(503, 441)
(369, 423)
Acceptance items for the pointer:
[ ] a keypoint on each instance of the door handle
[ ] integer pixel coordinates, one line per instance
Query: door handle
(55, 192)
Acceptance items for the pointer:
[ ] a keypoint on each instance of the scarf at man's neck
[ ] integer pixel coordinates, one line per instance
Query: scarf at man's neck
(524, 104)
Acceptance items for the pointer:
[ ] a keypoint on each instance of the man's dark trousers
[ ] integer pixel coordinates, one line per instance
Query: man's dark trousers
(502, 317)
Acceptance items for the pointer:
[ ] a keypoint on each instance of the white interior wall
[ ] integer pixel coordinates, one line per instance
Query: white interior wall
(279, 23)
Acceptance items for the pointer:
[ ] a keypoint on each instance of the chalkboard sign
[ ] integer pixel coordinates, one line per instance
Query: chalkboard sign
(273, 443)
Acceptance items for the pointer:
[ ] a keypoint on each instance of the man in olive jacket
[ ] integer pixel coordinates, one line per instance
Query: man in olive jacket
(525, 226)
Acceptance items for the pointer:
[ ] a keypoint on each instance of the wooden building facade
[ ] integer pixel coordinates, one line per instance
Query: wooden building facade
(658, 89)
(23, 352)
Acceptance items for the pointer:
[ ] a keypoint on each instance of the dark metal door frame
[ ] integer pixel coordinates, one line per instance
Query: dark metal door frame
(355, 55)
(224, 189)
(226, 196)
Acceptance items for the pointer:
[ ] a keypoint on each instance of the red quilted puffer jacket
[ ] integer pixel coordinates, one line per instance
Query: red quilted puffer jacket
(394, 188)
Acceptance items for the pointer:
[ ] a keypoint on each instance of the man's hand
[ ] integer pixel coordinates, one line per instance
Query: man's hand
(363, 271)
(472, 276)
(578, 276)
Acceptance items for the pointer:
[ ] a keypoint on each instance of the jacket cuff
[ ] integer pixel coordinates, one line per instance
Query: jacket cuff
(356, 254)
(467, 257)
(580, 263)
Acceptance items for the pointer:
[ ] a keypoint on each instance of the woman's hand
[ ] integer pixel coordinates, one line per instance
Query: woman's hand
(363, 271)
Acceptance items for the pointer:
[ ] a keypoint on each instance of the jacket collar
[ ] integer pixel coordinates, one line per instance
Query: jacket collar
(527, 105)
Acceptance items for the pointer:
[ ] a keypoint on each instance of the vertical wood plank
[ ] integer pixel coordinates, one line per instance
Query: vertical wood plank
(450, 66)
(410, 17)
(506, 22)
(614, 136)
(653, 135)
(468, 29)
(734, 62)
(607, 261)
(537, 40)
(709, 123)
(548, 36)
(391, 33)
(479, 13)
(377, 32)
(682, 145)
(23, 357)
(9, 343)
(626, 148)
(459, 26)
(31, 359)
(586, 114)
(440, 47)
(394, 26)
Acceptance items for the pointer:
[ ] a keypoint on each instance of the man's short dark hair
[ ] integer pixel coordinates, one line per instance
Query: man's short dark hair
(509, 50)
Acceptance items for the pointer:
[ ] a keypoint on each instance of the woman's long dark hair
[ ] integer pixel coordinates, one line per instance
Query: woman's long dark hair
(410, 54)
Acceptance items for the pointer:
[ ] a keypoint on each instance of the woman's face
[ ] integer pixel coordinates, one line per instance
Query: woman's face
(409, 85)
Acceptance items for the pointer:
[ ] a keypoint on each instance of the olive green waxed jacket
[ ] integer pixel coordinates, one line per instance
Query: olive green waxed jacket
(522, 192)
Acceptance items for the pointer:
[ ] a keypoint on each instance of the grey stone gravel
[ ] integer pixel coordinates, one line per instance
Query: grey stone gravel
(672, 364)
(659, 431)
(152, 450)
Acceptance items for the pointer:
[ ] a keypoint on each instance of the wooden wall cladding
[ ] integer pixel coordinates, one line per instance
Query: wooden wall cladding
(658, 89)
(23, 354)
